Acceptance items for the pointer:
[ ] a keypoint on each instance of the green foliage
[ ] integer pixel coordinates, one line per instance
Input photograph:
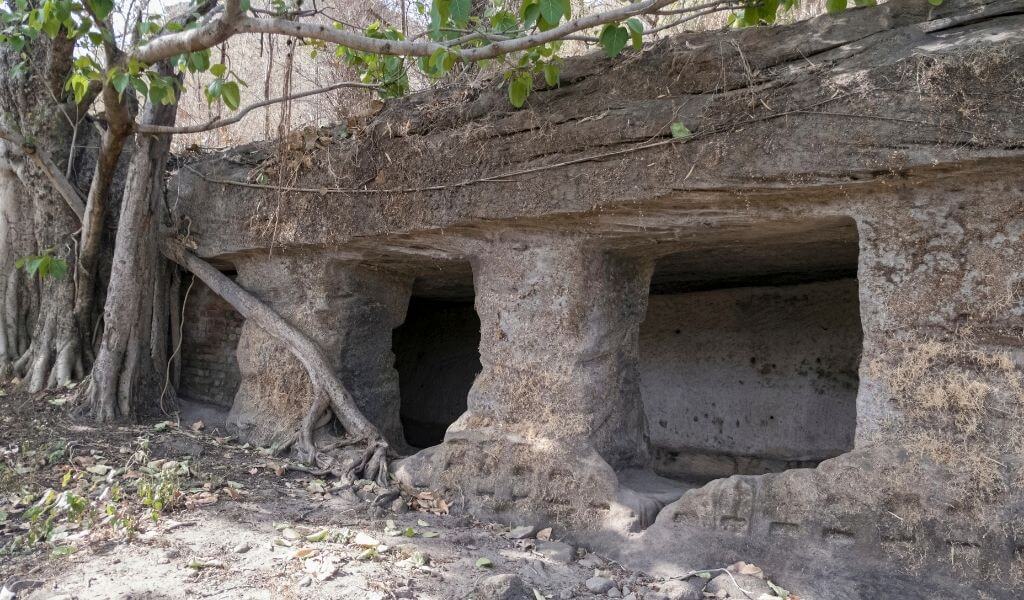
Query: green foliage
(519, 89)
(679, 130)
(45, 265)
(389, 72)
(453, 24)
(159, 492)
(613, 39)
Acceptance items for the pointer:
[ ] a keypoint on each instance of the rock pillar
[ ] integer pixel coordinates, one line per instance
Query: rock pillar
(349, 310)
(556, 407)
(559, 324)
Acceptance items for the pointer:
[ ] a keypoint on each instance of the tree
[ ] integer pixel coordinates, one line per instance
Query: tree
(64, 56)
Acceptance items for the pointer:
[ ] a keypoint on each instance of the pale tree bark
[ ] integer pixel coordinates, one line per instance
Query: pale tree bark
(41, 341)
(125, 369)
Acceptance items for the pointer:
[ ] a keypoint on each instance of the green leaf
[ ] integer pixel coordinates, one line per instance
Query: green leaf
(460, 11)
(551, 71)
(60, 551)
(552, 10)
(200, 61)
(778, 591)
(519, 89)
(835, 7)
(567, 9)
(139, 85)
(218, 70)
(484, 563)
(120, 82)
(58, 268)
(531, 12)
(51, 27)
(613, 39)
(101, 8)
(935, 2)
(679, 130)
(636, 33)
(231, 95)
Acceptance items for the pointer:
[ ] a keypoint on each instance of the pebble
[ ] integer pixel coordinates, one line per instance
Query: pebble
(731, 585)
(502, 587)
(522, 532)
(241, 548)
(629, 597)
(404, 592)
(556, 551)
(591, 561)
(599, 585)
(614, 593)
(306, 581)
(675, 589)
(399, 506)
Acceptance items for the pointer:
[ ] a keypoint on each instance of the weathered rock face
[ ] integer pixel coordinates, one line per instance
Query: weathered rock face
(347, 308)
(838, 246)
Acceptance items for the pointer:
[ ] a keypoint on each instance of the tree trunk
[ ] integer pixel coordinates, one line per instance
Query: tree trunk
(330, 392)
(125, 369)
(40, 339)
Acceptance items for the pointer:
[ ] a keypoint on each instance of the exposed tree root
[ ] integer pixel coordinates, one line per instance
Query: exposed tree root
(330, 395)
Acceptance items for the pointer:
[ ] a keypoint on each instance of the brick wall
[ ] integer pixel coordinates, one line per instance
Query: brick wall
(209, 371)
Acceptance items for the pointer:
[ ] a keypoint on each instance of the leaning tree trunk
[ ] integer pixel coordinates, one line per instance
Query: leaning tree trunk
(329, 392)
(125, 369)
(41, 343)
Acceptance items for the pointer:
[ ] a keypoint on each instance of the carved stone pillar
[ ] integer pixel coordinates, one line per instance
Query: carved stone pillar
(556, 408)
(349, 310)
(559, 325)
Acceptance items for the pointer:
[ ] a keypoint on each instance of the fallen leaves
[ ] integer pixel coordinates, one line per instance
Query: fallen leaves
(484, 563)
(430, 502)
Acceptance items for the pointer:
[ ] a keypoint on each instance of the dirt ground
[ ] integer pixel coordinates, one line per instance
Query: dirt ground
(170, 508)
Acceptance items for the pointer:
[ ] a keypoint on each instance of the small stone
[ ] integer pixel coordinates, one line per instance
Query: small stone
(241, 548)
(675, 589)
(614, 593)
(566, 594)
(599, 585)
(365, 541)
(522, 532)
(556, 551)
(731, 584)
(404, 592)
(306, 581)
(591, 561)
(629, 597)
(503, 587)
(290, 534)
(399, 506)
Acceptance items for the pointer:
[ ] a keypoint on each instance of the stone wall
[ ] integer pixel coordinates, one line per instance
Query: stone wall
(749, 380)
(209, 371)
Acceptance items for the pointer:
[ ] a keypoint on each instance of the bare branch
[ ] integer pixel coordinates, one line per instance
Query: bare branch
(49, 168)
(218, 122)
(233, 22)
(193, 40)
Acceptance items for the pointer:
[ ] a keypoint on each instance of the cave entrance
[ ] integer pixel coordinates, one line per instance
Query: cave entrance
(437, 356)
(750, 350)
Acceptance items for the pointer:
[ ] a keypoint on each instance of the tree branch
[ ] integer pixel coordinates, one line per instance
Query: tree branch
(53, 174)
(193, 40)
(234, 22)
(221, 122)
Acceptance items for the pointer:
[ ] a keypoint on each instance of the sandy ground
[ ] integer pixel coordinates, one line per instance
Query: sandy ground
(240, 525)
